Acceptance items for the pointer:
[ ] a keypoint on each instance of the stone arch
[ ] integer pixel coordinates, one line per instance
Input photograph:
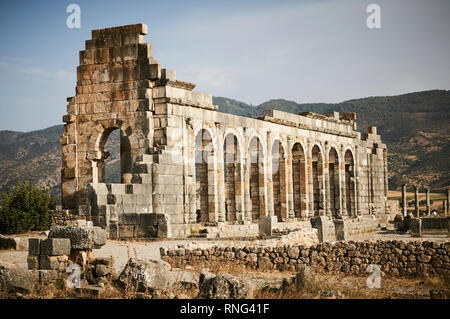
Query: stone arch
(279, 180)
(232, 176)
(256, 156)
(126, 153)
(333, 182)
(204, 173)
(299, 181)
(349, 182)
(260, 139)
(206, 130)
(317, 165)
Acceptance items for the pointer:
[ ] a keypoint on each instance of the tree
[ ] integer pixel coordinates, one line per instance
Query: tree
(25, 208)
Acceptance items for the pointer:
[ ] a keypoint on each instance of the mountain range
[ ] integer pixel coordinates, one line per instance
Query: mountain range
(415, 127)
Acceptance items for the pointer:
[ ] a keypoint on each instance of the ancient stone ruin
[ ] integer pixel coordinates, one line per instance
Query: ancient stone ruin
(185, 165)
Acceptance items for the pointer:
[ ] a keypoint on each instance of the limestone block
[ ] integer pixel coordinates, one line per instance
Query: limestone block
(129, 219)
(321, 223)
(48, 262)
(34, 246)
(80, 237)
(55, 246)
(266, 225)
(341, 232)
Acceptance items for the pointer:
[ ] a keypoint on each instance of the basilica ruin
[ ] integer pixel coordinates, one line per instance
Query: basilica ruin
(185, 165)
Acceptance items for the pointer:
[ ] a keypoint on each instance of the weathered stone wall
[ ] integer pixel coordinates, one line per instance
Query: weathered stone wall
(395, 258)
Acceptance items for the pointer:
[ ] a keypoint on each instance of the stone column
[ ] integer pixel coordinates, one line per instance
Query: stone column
(268, 189)
(220, 178)
(428, 201)
(404, 204)
(448, 199)
(246, 184)
(416, 200)
(326, 185)
(444, 208)
(289, 181)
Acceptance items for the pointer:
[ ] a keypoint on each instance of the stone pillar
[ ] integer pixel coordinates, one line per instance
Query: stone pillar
(220, 179)
(326, 184)
(404, 204)
(416, 200)
(268, 191)
(448, 199)
(289, 181)
(247, 198)
(444, 208)
(358, 206)
(428, 202)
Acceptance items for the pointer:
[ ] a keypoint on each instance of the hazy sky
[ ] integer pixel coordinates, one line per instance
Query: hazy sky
(253, 51)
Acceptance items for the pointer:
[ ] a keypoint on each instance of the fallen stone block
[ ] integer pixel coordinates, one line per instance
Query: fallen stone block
(80, 237)
(55, 246)
(15, 278)
(145, 275)
(225, 286)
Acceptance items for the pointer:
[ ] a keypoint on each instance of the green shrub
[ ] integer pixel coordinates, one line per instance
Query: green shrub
(25, 208)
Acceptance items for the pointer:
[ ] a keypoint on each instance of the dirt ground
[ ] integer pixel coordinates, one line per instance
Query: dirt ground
(267, 284)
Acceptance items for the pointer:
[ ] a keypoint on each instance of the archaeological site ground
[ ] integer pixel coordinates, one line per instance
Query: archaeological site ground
(215, 205)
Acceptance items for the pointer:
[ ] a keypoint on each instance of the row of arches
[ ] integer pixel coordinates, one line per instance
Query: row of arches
(297, 179)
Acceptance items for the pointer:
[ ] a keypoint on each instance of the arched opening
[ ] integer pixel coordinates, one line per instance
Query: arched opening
(279, 180)
(349, 183)
(299, 179)
(232, 176)
(257, 178)
(333, 182)
(203, 173)
(115, 163)
(317, 175)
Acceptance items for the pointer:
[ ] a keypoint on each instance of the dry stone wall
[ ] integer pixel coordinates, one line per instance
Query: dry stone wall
(396, 258)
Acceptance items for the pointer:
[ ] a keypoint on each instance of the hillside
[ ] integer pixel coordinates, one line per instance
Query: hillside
(414, 126)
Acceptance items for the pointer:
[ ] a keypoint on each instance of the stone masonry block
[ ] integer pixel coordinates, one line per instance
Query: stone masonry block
(34, 246)
(321, 224)
(55, 246)
(48, 262)
(33, 262)
(148, 219)
(80, 237)
(266, 224)
(129, 219)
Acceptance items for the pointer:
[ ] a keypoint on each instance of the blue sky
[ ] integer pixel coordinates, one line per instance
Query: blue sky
(253, 51)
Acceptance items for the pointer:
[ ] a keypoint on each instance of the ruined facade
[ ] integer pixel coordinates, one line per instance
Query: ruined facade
(184, 162)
